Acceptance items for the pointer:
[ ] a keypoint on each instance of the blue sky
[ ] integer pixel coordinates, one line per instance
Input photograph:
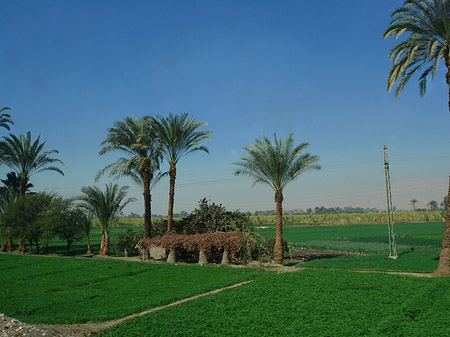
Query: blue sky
(318, 69)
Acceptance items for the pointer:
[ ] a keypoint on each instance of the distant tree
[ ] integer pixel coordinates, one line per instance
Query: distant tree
(180, 136)
(69, 226)
(138, 141)
(106, 206)
(432, 205)
(413, 203)
(5, 119)
(276, 164)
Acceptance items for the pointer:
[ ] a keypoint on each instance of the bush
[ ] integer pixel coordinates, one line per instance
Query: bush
(127, 240)
(210, 218)
(269, 245)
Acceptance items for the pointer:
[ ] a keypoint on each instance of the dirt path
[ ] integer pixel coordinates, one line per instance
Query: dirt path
(80, 330)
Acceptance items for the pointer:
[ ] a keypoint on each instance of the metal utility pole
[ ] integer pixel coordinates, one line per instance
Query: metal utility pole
(392, 245)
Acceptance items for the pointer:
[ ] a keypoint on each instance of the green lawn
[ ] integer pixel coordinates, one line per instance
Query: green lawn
(309, 303)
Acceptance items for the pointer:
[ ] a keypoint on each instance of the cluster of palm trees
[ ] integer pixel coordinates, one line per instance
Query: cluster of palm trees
(145, 143)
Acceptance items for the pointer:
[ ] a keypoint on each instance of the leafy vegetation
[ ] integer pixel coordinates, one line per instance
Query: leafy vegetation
(67, 291)
(309, 303)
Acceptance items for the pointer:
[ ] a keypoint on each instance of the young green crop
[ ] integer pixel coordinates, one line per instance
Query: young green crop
(309, 303)
(68, 290)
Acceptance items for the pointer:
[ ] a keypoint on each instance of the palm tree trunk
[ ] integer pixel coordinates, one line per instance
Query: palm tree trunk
(444, 259)
(447, 76)
(147, 201)
(172, 175)
(10, 244)
(89, 251)
(278, 248)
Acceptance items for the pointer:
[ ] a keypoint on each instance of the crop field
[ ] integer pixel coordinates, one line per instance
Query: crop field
(425, 261)
(307, 303)
(73, 290)
(350, 219)
(368, 239)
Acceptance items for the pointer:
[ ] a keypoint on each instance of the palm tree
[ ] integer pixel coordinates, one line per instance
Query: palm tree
(276, 164)
(428, 25)
(5, 119)
(179, 137)
(136, 139)
(106, 206)
(27, 158)
(413, 202)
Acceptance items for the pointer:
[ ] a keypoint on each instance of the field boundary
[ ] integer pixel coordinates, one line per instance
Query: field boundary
(81, 330)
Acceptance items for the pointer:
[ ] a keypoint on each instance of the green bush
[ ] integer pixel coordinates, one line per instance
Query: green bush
(210, 218)
(269, 245)
(127, 240)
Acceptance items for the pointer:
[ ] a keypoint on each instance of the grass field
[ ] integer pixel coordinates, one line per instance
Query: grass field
(306, 303)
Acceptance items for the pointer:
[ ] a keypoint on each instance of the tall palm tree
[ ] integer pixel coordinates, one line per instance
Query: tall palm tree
(106, 206)
(5, 119)
(27, 158)
(136, 139)
(179, 136)
(276, 164)
(413, 202)
(428, 24)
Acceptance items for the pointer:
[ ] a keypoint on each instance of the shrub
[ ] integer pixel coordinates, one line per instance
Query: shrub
(269, 245)
(127, 240)
(210, 218)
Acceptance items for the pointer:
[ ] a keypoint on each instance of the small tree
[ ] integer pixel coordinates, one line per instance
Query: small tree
(106, 206)
(413, 203)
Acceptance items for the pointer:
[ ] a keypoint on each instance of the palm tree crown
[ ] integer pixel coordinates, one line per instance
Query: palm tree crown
(180, 136)
(27, 158)
(428, 22)
(276, 163)
(5, 119)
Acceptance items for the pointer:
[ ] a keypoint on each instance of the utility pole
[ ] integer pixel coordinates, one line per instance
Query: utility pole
(391, 232)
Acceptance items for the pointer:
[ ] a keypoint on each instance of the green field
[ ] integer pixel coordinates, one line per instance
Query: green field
(307, 303)
(369, 239)
(73, 290)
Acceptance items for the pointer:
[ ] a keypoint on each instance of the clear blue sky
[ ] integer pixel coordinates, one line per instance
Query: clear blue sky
(70, 69)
